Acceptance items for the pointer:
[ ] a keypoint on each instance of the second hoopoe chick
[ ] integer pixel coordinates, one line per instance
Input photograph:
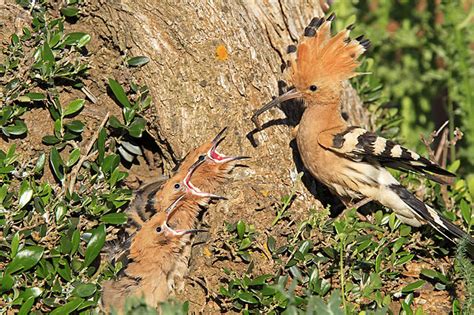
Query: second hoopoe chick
(152, 254)
(215, 170)
(350, 160)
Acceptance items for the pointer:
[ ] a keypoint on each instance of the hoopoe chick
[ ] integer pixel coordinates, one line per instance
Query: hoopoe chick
(153, 198)
(152, 255)
(215, 169)
(150, 200)
(208, 176)
(351, 161)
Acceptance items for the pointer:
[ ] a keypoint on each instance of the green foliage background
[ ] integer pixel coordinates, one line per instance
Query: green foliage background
(423, 55)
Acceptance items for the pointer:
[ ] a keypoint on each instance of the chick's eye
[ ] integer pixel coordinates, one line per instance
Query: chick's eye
(158, 229)
(313, 88)
(202, 157)
(177, 186)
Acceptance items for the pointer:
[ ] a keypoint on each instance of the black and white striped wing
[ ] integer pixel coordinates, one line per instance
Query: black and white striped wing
(359, 144)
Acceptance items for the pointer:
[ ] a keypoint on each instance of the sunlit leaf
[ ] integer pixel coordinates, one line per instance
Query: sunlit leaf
(119, 93)
(138, 61)
(25, 259)
(24, 195)
(73, 107)
(94, 245)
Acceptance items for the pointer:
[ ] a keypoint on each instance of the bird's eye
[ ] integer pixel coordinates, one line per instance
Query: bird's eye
(202, 157)
(158, 229)
(313, 88)
(177, 186)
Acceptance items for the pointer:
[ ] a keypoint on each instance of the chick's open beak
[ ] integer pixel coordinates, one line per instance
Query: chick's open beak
(193, 189)
(218, 157)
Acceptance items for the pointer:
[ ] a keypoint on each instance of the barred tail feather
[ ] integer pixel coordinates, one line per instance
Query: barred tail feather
(431, 216)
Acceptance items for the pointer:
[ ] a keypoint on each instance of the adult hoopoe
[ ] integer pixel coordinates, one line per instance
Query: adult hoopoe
(350, 160)
(152, 255)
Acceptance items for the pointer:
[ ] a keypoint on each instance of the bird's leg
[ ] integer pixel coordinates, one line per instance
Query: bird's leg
(349, 205)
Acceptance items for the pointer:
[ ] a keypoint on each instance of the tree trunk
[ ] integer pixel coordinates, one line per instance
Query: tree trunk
(196, 93)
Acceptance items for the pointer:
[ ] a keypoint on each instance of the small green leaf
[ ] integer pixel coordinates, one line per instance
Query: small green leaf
(110, 163)
(75, 126)
(14, 244)
(26, 306)
(413, 286)
(51, 140)
(246, 242)
(305, 247)
(84, 290)
(67, 308)
(84, 40)
(454, 166)
(47, 53)
(36, 96)
(73, 107)
(247, 297)
(138, 61)
(60, 212)
(241, 229)
(57, 164)
(114, 218)
(115, 123)
(40, 163)
(69, 11)
(74, 38)
(466, 211)
(128, 114)
(25, 194)
(7, 282)
(74, 157)
(271, 243)
(25, 259)
(260, 280)
(94, 245)
(137, 127)
(432, 274)
(119, 93)
(404, 259)
(101, 145)
(75, 241)
(17, 129)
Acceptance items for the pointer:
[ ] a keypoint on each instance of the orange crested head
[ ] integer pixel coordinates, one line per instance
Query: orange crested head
(319, 63)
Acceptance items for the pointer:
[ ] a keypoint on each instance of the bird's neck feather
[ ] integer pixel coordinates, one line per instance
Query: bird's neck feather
(323, 112)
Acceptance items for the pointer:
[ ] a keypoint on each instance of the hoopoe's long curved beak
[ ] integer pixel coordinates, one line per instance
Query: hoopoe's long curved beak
(289, 95)
(219, 157)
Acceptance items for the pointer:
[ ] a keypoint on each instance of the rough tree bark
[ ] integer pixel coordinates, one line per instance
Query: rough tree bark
(196, 94)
